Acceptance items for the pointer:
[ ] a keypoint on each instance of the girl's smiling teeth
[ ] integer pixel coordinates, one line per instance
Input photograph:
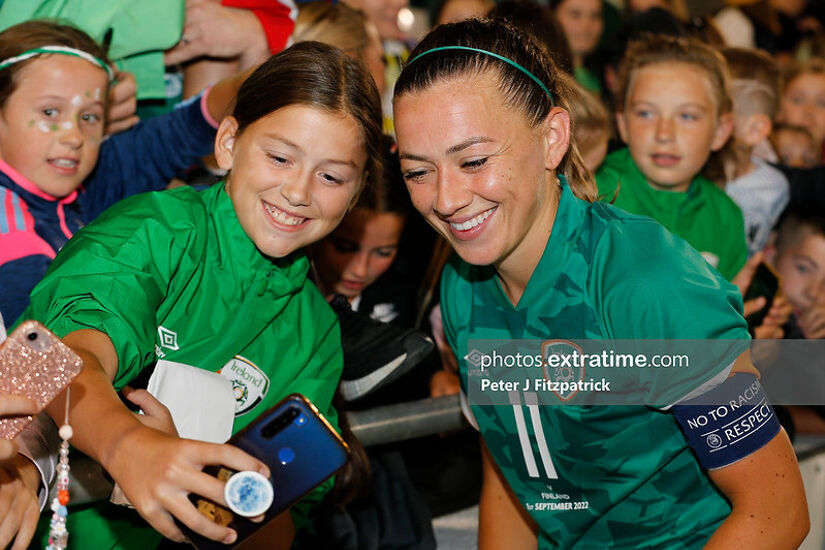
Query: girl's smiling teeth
(64, 163)
(472, 222)
(282, 217)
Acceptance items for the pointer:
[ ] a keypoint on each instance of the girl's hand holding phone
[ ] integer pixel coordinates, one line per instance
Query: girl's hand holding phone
(157, 471)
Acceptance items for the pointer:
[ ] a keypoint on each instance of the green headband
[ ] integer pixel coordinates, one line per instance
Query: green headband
(491, 54)
(65, 50)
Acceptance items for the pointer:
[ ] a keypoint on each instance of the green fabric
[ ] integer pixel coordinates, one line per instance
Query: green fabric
(587, 79)
(179, 263)
(141, 30)
(703, 215)
(605, 274)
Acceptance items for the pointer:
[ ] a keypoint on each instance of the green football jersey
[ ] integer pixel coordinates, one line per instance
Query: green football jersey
(602, 476)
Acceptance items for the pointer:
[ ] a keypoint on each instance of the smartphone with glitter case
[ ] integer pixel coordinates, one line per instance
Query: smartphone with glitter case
(301, 449)
(34, 363)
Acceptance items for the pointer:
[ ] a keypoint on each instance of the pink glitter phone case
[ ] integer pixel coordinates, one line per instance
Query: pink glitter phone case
(34, 363)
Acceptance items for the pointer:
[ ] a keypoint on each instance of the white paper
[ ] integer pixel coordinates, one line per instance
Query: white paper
(202, 403)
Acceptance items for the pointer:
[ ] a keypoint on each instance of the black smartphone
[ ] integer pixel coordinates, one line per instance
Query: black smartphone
(765, 283)
(302, 451)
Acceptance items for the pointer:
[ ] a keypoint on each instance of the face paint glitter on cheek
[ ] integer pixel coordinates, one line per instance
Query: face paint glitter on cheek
(43, 126)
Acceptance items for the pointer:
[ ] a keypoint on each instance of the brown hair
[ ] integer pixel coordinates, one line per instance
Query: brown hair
(337, 25)
(590, 117)
(318, 75)
(659, 48)
(814, 65)
(678, 8)
(33, 34)
(541, 24)
(389, 194)
(755, 85)
(519, 90)
(793, 224)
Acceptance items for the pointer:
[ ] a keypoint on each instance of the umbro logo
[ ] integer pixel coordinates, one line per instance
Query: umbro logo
(168, 339)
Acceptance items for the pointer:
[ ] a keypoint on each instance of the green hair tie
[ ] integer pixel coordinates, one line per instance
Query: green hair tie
(491, 54)
(65, 50)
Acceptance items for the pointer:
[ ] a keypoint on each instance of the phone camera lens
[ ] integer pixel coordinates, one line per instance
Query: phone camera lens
(38, 340)
(300, 420)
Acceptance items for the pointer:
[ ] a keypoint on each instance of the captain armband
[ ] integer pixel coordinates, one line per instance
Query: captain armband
(728, 422)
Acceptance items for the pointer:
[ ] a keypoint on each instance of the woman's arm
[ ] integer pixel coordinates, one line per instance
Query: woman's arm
(768, 499)
(502, 521)
(766, 492)
(156, 470)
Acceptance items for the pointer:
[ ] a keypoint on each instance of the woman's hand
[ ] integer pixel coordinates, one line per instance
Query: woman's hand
(13, 405)
(213, 30)
(157, 472)
(19, 506)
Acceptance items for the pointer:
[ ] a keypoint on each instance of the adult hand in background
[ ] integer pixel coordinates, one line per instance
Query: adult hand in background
(122, 103)
(215, 31)
(19, 506)
(13, 405)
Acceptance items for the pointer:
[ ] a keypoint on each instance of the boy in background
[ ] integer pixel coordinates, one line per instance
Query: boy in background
(760, 190)
(797, 253)
(798, 256)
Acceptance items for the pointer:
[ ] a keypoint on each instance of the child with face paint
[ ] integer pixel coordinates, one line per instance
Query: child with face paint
(487, 152)
(57, 173)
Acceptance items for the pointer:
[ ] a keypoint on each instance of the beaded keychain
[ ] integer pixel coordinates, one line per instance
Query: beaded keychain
(58, 534)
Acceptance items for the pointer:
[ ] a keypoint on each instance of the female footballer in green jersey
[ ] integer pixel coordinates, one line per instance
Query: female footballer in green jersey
(487, 153)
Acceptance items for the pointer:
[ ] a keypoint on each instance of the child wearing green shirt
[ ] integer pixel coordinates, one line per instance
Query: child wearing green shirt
(673, 110)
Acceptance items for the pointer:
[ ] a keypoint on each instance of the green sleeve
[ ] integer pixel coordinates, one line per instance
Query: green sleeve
(112, 277)
(648, 284)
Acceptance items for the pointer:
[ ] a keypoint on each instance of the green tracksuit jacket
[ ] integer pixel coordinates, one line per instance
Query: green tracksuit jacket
(173, 275)
(704, 215)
